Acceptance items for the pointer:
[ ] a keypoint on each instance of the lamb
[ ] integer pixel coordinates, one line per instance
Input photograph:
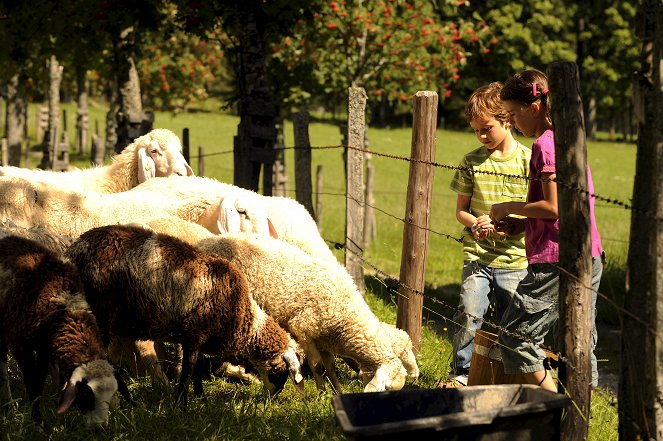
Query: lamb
(43, 310)
(317, 303)
(148, 285)
(159, 153)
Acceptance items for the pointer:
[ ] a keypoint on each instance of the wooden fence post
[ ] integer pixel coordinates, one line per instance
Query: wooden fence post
(354, 199)
(369, 214)
(303, 160)
(641, 377)
(417, 216)
(318, 198)
(201, 161)
(575, 247)
(280, 180)
(186, 147)
(5, 152)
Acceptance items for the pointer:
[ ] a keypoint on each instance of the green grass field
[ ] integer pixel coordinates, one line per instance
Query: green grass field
(239, 411)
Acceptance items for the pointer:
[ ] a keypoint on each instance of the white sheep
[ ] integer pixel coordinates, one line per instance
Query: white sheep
(317, 303)
(147, 285)
(44, 318)
(159, 153)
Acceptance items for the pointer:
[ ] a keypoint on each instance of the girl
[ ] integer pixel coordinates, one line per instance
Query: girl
(534, 308)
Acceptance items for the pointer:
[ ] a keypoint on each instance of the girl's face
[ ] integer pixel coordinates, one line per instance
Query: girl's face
(523, 117)
(491, 132)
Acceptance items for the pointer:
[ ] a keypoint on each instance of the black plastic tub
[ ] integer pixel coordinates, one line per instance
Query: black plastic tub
(509, 412)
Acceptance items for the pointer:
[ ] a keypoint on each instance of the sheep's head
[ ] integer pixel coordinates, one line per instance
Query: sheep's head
(244, 212)
(159, 154)
(401, 344)
(276, 374)
(388, 376)
(92, 387)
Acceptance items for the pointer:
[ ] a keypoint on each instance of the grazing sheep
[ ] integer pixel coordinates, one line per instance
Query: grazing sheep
(159, 153)
(44, 318)
(317, 303)
(148, 285)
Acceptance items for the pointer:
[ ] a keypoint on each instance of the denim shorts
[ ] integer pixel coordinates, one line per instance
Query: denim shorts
(533, 311)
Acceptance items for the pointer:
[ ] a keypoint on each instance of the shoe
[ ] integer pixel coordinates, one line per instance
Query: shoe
(455, 381)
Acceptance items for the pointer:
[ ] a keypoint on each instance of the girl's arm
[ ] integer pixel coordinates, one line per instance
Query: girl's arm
(546, 208)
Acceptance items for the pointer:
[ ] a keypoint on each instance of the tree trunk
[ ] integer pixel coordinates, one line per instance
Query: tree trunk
(15, 119)
(256, 134)
(641, 379)
(53, 131)
(83, 111)
(132, 122)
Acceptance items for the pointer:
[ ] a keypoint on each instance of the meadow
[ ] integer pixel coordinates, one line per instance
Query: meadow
(234, 410)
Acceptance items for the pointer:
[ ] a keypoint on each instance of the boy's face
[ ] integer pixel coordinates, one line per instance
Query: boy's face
(491, 132)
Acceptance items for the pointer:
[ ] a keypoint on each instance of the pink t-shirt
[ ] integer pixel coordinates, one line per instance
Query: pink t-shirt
(542, 235)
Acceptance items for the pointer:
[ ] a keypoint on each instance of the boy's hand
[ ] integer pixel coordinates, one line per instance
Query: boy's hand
(482, 228)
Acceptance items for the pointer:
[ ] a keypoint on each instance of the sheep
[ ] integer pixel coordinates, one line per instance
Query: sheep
(56, 243)
(159, 153)
(217, 203)
(43, 310)
(317, 303)
(149, 285)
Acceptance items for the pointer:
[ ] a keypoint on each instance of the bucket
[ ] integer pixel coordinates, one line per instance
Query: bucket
(486, 364)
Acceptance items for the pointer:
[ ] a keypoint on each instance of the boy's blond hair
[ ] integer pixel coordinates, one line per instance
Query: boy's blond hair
(485, 103)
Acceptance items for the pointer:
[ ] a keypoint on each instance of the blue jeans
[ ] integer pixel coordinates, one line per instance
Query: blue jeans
(478, 283)
(534, 312)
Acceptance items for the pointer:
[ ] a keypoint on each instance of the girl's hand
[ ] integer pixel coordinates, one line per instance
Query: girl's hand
(510, 226)
(499, 211)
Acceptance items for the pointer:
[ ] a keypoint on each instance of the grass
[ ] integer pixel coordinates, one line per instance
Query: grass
(237, 411)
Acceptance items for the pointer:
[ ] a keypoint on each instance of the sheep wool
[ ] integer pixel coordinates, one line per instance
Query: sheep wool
(158, 153)
(145, 285)
(317, 303)
(56, 243)
(43, 310)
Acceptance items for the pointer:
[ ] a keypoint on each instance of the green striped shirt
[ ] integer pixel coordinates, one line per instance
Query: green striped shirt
(486, 190)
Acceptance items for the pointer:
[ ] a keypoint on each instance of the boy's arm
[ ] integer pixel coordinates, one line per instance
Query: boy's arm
(466, 218)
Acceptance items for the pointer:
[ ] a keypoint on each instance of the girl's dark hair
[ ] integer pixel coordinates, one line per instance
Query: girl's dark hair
(527, 87)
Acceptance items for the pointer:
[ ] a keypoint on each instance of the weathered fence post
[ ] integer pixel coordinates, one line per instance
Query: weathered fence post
(318, 197)
(575, 247)
(354, 199)
(303, 160)
(5, 152)
(97, 150)
(417, 216)
(201, 161)
(186, 148)
(280, 181)
(641, 379)
(369, 213)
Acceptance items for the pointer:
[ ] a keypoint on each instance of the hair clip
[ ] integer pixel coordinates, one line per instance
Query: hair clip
(534, 90)
(545, 91)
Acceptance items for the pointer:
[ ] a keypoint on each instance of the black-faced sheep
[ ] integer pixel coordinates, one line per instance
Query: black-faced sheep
(146, 285)
(157, 154)
(44, 318)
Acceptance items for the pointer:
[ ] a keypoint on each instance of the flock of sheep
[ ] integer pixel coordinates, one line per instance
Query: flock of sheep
(142, 251)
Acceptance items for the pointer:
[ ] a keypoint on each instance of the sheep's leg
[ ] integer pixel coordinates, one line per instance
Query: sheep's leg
(34, 378)
(329, 362)
(148, 356)
(198, 374)
(5, 390)
(314, 360)
(188, 366)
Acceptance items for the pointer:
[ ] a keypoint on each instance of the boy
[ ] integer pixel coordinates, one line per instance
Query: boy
(493, 263)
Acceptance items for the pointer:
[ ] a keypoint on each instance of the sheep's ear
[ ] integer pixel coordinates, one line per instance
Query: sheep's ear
(67, 398)
(379, 381)
(189, 170)
(228, 221)
(295, 369)
(146, 167)
(272, 230)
